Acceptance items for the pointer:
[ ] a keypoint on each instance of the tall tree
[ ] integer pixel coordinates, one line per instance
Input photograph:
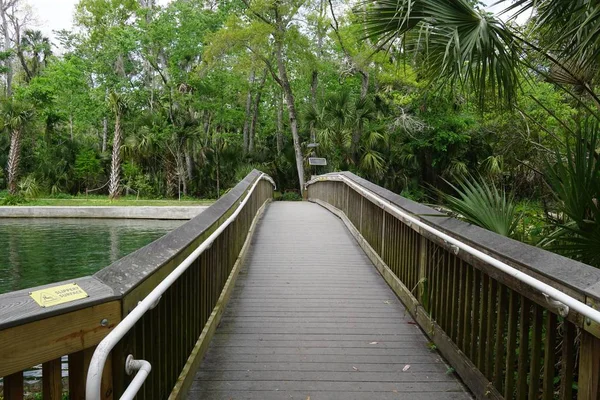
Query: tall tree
(118, 106)
(15, 118)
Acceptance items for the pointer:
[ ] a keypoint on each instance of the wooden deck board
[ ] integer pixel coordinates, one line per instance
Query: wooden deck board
(310, 318)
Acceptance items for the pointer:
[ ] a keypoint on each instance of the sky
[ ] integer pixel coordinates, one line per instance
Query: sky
(54, 15)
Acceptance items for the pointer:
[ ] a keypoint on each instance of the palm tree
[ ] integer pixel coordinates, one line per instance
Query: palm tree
(15, 117)
(39, 50)
(459, 43)
(341, 122)
(118, 106)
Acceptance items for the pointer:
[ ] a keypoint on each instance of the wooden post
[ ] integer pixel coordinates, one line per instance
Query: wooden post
(423, 272)
(78, 366)
(13, 386)
(347, 198)
(360, 219)
(382, 234)
(52, 380)
(589, 367)
(106, 386)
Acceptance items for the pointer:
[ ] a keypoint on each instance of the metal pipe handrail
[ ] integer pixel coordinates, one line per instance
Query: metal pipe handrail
(552, 294)
(94, 377)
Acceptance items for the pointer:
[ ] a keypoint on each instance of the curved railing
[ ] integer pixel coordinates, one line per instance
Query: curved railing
(187, 312)
(513, 320)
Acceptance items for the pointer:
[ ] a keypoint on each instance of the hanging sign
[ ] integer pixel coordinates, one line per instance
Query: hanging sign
(317, 161)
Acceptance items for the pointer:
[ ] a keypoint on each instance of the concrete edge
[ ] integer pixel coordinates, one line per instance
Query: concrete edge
(103, 212)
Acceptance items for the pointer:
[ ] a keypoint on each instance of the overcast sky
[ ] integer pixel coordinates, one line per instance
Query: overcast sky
(54, 15)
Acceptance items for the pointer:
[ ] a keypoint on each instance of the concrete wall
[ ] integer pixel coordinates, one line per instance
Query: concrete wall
(146, 212)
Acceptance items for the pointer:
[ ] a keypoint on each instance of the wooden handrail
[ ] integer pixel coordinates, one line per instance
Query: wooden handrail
(503, 337)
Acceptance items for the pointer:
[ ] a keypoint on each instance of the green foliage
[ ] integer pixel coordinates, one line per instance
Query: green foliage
(465, 45)
(532, 226)
(12, 199)
(29, 187)
(87, 167)
(575, 180)
(288, 196)
(482, 203)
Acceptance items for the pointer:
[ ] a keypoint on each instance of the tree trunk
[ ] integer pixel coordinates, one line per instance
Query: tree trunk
(115, 166)
(358, 131)
(289, 95)
(9, 72)
(104, 133)
(248, 112)
(71, 125)
(255, 112)
(14, 156)
(218, 173)
(188, 163)
(182, 173)
(313, 98)
(279, 133)
(170, 177)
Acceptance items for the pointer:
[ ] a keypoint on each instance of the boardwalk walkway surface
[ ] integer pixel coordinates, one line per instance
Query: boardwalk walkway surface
(311, 318)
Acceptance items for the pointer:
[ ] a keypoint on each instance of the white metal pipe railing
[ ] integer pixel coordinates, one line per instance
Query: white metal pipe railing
(142, 367)
(554, 296)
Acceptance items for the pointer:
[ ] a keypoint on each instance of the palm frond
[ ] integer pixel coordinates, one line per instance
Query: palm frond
(483, 204)
(463, 44)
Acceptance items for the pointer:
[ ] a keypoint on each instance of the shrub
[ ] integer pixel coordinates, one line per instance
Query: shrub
(12, 200)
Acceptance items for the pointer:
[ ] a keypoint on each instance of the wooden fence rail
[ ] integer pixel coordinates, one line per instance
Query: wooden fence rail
(172, 336)
(503, 338)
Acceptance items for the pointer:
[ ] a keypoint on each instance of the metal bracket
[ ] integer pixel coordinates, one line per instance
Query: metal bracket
(453, 248)
(563, 309)
(153, 306)
(130, 365)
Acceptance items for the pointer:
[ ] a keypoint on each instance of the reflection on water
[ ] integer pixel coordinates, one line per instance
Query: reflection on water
(38, 251)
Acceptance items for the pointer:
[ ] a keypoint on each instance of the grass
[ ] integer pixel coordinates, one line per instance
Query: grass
(100, 200)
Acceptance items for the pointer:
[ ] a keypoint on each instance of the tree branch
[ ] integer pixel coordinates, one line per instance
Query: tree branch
(268, 64)
(256, 14)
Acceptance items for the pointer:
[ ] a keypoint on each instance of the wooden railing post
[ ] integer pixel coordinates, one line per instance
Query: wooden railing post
(589, 367)
(422, 278)
(52, 380)
(360, 218)
(78, 365)
(13, 386)
(382, 234)
(347, 198)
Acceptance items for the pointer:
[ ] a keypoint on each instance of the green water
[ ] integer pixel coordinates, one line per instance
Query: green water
(38, 251)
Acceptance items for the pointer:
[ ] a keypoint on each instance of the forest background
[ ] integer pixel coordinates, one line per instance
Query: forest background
(440, 101)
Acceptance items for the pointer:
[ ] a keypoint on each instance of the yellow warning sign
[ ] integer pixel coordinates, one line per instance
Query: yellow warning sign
(58, 295)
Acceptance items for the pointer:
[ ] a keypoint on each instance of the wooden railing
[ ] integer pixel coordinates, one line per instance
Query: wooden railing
(172, 337)
(505, 339)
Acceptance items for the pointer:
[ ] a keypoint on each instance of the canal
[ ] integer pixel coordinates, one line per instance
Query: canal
(39, 251)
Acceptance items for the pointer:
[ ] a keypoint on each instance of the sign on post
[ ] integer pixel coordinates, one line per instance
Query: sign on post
(317, 161)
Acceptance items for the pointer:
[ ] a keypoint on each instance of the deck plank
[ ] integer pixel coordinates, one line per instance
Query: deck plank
(310, 318)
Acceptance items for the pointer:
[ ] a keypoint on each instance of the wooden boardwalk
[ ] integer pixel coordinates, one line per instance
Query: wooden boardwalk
(311, 318)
